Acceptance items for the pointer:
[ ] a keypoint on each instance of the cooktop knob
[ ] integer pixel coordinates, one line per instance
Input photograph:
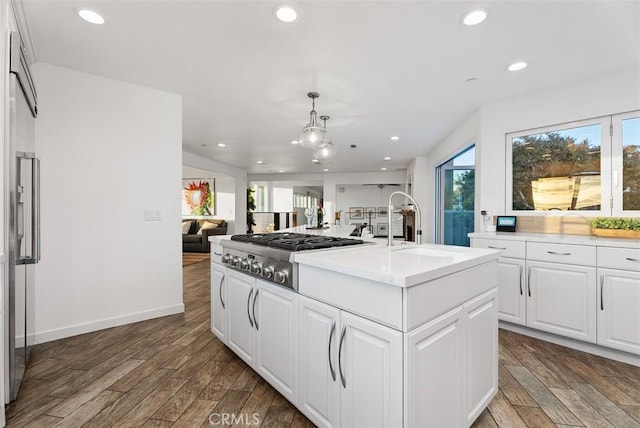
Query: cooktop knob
(281, 276)
(226, 258)
(256, 268)
(244, 264)
(235, 261)
(267, 271)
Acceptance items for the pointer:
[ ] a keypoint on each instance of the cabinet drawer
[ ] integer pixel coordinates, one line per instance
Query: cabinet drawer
(619, 258)
(562, 253)
(515, 249)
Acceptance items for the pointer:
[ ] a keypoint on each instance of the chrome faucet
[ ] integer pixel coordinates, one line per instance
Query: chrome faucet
(418, 218)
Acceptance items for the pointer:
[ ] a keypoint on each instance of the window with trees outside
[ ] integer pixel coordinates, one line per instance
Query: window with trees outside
(591, 166)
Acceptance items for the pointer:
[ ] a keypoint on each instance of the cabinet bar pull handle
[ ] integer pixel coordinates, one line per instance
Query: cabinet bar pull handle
(333, 330)
(602, 292)
(529, 281)
(222, 301)
(520, 280)
(255, 320)
(342, 379)
(632, 260)
(496, 248)
(559, 254)
(249, 307)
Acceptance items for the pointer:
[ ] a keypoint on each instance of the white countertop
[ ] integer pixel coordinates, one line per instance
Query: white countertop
(402, 265)
(559, 239)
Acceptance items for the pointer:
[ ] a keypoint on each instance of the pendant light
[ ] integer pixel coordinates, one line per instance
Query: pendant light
(327, 149)
(312, 135)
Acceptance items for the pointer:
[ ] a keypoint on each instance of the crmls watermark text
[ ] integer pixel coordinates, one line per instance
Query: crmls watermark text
(234, 419)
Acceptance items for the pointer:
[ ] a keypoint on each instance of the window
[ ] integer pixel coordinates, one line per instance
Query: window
(626, 156)
(455, 199)
(591, 166)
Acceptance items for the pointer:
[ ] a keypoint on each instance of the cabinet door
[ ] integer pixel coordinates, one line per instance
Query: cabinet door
(276, 321)
(481, 353)
(562, 299)
(618, 310)
(370, 370)
(218, 303)
(512, 303)
(319, 391)
(240, 330)
(435, 388)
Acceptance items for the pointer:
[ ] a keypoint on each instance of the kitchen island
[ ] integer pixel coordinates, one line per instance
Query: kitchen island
(375, 336)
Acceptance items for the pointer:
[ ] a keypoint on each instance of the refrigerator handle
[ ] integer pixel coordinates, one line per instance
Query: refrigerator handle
(35, 204)
(34, 257)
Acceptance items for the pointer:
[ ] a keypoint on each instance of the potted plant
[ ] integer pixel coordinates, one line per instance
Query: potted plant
(612, 227)
(251, 205)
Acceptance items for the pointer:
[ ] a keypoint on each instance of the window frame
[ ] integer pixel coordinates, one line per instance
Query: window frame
(605, 167)
(617, 209)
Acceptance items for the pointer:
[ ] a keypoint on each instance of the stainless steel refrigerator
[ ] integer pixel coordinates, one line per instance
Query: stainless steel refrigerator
(22, 200)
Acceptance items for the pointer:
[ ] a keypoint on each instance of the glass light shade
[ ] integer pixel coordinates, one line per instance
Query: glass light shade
(312, 136)
(325, 151)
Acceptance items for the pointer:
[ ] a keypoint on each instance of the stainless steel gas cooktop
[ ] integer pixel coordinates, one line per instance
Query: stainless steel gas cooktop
(269, 255)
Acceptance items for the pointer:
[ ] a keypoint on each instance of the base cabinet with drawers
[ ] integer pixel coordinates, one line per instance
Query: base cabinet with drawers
(587, 291)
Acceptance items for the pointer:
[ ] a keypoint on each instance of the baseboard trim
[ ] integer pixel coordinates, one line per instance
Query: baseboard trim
(591, 348)
(61, 333)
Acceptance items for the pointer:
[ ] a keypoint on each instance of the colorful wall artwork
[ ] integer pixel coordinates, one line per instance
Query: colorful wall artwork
(198, 197)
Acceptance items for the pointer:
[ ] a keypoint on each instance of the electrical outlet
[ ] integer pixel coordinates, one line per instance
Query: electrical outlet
(152, 215)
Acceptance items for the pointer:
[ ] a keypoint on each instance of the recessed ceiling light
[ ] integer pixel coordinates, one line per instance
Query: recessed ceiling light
(286, 13)
(395, 138)
(517, 66)
(281, 171)
(472, 81)
(203, 145)
(259, 162)
(91, 16)
(295, 142)
(326, 170)
(315, 161)
(474, 17)
(222, 145)
(383, 169)
(387, 158)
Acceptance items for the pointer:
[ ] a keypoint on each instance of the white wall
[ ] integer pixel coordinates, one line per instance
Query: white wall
(240, 186)
(109, 150)
(615, 93)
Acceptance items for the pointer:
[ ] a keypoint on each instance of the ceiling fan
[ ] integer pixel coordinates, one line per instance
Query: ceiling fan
(382, 186)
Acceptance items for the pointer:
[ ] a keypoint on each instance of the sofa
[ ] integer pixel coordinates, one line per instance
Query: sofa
(195, 234)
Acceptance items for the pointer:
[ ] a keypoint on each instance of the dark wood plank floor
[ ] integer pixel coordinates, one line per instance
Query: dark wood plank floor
(172, 371)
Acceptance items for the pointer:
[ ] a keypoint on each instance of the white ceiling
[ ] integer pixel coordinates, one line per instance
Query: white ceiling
(382, 68)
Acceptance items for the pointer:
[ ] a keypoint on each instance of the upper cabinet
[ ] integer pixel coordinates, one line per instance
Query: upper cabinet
(591, 166)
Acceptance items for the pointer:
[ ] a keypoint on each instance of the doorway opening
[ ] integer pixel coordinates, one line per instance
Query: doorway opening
(455, 198)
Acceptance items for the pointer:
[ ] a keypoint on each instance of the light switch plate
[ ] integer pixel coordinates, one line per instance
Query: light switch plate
(152, 215)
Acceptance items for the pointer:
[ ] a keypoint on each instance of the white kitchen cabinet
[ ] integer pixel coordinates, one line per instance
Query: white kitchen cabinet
(452, 365)
(276, 329)
(218, 301)
(562, 299)
(512, 301)
(370, 371)
(350, 368)
(262, 329)
(435, 379)
(319, 383)
(240, 326)
(480, 353)
(619, 309)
